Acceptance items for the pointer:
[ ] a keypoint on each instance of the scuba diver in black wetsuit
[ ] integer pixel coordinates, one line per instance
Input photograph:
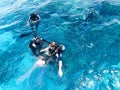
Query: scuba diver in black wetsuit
(36, 44)
(92, 15)
(34, 21)
(55, 51)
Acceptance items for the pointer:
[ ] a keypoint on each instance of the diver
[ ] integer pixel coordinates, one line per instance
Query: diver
(36, 44)
(55, 51)
(92, 15)
(34, 21)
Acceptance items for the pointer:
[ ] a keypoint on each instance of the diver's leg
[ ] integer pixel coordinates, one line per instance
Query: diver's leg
(36, 25)
(31, 26)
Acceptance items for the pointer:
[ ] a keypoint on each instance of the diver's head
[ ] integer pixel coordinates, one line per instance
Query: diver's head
(37, 39)
(53, 45)
(34, 14)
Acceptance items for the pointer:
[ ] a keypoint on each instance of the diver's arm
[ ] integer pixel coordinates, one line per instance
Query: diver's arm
(34, 45)
(45, 49)
(60, 64)
(60, 69)
(39, 19)
(33, 42)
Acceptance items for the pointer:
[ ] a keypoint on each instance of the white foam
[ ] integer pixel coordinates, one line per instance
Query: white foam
(118, 84)
(93, 62)
(115, 2)
(55, 14)
(9, 8)
(90, 45)
(91, 84)
(42, 4)
(8, 25)
(67, 3)
(99, 0)
(77, 89)
(105, 71)
(83, 84)
(90, 71)
(112, 22)
(96, 77)
(108, 88)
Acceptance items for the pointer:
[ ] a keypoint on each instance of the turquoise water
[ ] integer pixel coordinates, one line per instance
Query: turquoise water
(91, 60)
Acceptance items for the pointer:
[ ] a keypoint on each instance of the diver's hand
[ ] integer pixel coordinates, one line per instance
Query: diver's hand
(34, 45)
(60, 73)
(44, 50)
(41, 51)
(60, 69)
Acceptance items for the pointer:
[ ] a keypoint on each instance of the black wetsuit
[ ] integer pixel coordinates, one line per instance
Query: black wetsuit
(53, 53)
(39, 44)
(91, 16)
(34, 17)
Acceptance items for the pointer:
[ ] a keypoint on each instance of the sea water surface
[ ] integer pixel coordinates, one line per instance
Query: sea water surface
(91, 60)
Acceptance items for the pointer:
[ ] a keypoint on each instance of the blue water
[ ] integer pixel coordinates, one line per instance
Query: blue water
(91, 60)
